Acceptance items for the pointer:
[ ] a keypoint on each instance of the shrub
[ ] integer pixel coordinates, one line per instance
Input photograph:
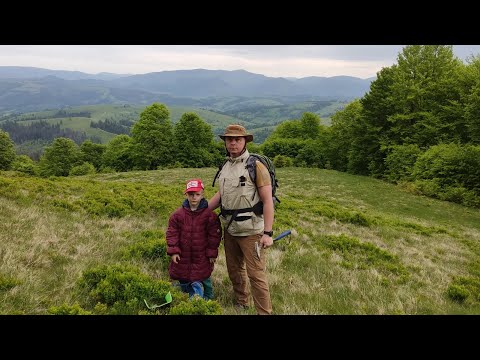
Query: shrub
(149, 249)
(122, 288)
(84, 169)
(7, 282)
(282, 161)
(65, 309)
(106, 170)
(450, 165)
(400, 162)
(24, 164)
(465, 290)
(197, 306)
(457, 293)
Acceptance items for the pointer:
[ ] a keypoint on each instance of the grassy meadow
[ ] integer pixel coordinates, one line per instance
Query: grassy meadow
(358, 245)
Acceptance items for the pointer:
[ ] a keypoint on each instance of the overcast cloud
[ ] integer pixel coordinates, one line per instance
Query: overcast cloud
(362, 61)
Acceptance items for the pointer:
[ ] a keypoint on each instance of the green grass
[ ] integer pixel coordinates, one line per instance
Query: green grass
(358, 245)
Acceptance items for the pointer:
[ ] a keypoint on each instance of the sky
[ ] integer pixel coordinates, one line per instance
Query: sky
(297, 61)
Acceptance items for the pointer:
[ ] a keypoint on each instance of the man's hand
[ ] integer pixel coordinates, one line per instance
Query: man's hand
(175, 258)
(266, 241)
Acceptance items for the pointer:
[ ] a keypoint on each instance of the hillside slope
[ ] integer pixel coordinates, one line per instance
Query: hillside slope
(358, 245)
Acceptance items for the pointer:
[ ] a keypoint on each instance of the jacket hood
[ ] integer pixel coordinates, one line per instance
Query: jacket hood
(203, 204)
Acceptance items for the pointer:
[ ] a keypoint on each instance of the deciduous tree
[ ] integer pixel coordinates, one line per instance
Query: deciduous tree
(7, 151)
(152, 138)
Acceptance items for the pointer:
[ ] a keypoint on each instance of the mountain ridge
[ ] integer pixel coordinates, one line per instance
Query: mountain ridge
(24, 89)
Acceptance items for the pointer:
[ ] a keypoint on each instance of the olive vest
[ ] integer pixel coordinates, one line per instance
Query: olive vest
(239, 199)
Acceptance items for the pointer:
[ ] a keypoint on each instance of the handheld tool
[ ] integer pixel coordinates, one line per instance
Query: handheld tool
(258, 247)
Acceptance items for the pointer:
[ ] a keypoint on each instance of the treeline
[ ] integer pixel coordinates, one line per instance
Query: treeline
(116, 127)
(64, 114)
(40, 130)
(280, 111)
(57, 115)
(418, 126)
(155, 143)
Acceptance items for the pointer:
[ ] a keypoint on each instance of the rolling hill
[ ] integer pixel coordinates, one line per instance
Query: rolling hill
(32, 89)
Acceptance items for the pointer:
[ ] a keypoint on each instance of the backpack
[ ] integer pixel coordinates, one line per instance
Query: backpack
(252, 172)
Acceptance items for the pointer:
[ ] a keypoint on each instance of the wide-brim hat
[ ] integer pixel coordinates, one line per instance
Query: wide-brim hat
(236, 130)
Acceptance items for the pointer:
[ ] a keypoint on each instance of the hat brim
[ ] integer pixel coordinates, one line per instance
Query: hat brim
(193, 190)
(248, 137)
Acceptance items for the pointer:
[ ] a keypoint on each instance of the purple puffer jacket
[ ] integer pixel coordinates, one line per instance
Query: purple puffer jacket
(195, 236)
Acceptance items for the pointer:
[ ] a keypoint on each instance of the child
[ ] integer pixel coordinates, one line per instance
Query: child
(193, 236)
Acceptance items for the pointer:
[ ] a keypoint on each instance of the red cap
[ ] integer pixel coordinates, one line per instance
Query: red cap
(194, 185)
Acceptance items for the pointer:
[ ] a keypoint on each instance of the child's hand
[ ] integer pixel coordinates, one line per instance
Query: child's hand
(212, 260)
(175, 258)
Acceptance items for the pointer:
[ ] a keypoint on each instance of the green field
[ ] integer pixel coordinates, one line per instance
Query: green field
(117, 112)
(260, 116)
(358, 245)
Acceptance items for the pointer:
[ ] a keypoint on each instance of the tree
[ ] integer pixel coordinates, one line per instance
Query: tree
(152, 138)
(59, 158)
(193, 141)
(343, 132)
(416, 101)
(366, 156)
(470, 88)
(7, 151)
(118, 154)
(289, 129)
(426, 87)
(92, 153)
(310, 125)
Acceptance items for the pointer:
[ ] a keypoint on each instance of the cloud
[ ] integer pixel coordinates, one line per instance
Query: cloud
(271, 60)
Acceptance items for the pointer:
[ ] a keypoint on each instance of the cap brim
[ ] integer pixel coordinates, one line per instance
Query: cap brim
(193, 190)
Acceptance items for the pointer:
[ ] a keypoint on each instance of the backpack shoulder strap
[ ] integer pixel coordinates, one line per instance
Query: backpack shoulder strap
(252, 167)
(220, 167)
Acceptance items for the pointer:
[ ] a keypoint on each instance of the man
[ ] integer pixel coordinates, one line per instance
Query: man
(246, 225)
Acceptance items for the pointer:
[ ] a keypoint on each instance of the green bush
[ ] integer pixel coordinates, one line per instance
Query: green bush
(84, 169)
(122, 288)
(401, 161)
(465, 290)
(59, 158)
(282, 161)
(24, 164)
(106, 170)
(149, 249)
(65, 309)
(457, 293)
(7, 282)
(450, 165)
(428, 187)
(197, 306)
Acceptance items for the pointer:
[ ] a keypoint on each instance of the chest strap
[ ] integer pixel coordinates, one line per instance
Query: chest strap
(257, 209)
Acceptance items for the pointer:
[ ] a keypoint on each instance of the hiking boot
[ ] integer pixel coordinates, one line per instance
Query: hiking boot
(241, 307)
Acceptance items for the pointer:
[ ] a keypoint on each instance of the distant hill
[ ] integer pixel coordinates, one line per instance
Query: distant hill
(25, 89)
(22, 72)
